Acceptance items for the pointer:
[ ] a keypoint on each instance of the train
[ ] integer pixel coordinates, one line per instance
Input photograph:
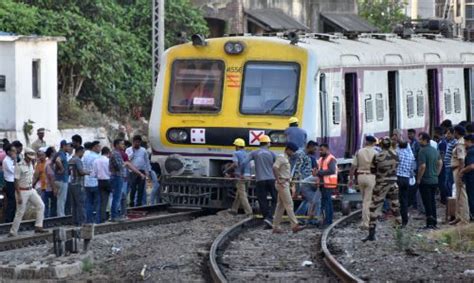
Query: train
(341, 88)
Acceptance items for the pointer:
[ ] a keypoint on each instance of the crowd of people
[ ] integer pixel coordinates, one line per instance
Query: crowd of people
(78, 179)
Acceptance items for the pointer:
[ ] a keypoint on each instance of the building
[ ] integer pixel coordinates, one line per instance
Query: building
(420, 9)
(266, 16)
(28, 83)
(461, 12)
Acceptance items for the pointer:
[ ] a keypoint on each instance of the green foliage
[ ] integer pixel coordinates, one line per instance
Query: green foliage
(383, 14)
(106, 60)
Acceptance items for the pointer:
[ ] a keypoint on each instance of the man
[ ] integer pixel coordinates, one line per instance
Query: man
(19, 149)
(450, 145)
(76, 187)
(439, 138)
(282, 172)
(48, 196)
(91, 184)
(327, 173)
(405, 171)
(8, 166)
(414, 144)
(45, 178)
(61, 175)
(384, 166)
(429, 167)
(138, 156)
(365, 179)
(76, 141)
(26, 194)
(102, 173)
(265, 178)
(39, 143)
(312, 152)
(470, 128)
(117, 166)
(294, 134)
(241, 171)
(457, 164)
(467, 172)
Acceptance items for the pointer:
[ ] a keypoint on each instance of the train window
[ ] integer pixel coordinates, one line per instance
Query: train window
(420, 104)
(457, 101)
(410, 104)
(448, 103)
(196, 86)
(336, 110)
(270, 88)
(379, 106)
(369, 108)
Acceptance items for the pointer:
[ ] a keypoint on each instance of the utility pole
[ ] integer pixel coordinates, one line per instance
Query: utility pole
(158, 36)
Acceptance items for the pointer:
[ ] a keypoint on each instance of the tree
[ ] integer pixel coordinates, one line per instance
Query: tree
(383, 14)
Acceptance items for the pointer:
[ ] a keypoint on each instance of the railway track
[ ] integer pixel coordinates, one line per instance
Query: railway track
(176, 215)
(218, 266)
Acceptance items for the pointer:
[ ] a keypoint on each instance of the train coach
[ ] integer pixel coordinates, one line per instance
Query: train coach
(210, 92)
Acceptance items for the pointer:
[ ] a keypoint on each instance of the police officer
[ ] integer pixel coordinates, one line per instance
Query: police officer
(294, 134)
(365, 179)
(240, 172)
(384, 166)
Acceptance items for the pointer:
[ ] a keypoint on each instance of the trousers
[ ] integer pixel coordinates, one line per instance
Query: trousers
(428, 193)
(49, 200)
(284, 203)
(77, 204)
(311, 205)
(366, 184)
(137, 188)
(61, 197)
(403, 187)
(462, 204)
(382, 190)
(104, 191)
(92, 204)
(11, 201)
(29, 196)
(262, 190)
(241, 198)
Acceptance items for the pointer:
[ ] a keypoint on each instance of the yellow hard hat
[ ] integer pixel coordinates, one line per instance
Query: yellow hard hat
(239, 142)
(264, 138)
(292, 120)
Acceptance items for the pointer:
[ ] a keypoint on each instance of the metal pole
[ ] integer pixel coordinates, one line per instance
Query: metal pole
(158, 23)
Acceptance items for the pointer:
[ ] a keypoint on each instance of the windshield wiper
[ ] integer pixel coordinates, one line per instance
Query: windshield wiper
(278, 104)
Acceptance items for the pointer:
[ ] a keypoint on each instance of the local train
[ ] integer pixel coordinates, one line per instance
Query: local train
(211, 91)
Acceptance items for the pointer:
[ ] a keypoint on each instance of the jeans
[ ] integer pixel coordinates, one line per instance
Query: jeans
(92, 204)
(264, 188)
(443, 192)
(470, 196)
(50, 203)
(312, 196)
(11, 201)
(449, 179)
(403, 185)
(77, 203)
(123, 201)
(326, 205)
(155, 196)
(68, 204)
(137, 186)
(104, 190)
(428, 192)
(61, 197)
(116, 182)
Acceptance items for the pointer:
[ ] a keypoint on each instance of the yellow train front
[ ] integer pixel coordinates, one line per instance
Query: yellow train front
(210, 92)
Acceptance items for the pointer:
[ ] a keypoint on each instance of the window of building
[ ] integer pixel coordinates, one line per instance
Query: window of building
(448, 103)
(336, 110)
(196, 86)
(470, 12)
(410, 104)
(270, 88)
(457, 101)
(379, 106)
(420, 104)
(36, 78)
(3, 83)
(369, 108)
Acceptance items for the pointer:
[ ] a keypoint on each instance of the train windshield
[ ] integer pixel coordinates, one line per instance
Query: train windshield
(270, 88)
(196, 86)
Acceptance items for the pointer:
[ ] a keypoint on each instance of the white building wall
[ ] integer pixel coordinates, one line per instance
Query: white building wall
(421, 9)
(43, 111)
(7, 97)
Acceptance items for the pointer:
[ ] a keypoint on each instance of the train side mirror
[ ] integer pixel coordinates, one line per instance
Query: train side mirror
(293, 37)
(198, 40)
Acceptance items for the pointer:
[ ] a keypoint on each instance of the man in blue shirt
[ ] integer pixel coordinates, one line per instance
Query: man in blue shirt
(468, 172)
(294, 134)
(451, 143)
(91, 184)
(61, 176)
(405, 170)
(439, 138)
(138, 156)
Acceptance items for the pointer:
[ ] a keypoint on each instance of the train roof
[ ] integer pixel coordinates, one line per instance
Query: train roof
(334, 51)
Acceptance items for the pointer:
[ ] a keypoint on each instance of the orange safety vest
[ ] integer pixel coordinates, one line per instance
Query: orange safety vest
(330, 181)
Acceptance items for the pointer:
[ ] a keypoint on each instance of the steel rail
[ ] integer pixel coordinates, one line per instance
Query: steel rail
(336, 267)
(104, 228)
(53, 222)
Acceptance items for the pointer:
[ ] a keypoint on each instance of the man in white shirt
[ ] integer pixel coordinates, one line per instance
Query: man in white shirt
(8, 166)
(100, 170)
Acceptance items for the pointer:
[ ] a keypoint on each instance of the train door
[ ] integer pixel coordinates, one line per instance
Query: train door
(433, 99)
(393, 99)
(469, 90)
(352, 121)
(322, 108)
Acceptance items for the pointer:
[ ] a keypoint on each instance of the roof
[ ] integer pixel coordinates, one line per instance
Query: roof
(274, 20)
(11, 37)
(348, 22)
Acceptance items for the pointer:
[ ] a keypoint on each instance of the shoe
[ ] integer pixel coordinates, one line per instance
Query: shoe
(40, 230)
(11, 235)
(277, 231)
(297, 228)
(268, 223)
(371, 236)
(454, 222)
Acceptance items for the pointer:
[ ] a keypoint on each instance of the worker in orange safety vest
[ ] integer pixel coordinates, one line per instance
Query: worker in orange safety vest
(327, 173)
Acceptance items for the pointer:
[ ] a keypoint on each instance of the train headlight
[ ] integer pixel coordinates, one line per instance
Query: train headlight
(234, 47)
(278, 138)
(177, 135)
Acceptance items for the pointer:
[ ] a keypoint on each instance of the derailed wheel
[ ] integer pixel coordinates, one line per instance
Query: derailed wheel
(345, 207)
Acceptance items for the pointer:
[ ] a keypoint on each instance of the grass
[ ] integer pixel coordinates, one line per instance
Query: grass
(459, 238)
(87, 265)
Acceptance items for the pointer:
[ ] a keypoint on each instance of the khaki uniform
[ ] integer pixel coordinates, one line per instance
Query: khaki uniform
(365, 179)
(241, 197)
(385, 165)
(462, 205)
(285, 202)
(24, 176)
(37, 144)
